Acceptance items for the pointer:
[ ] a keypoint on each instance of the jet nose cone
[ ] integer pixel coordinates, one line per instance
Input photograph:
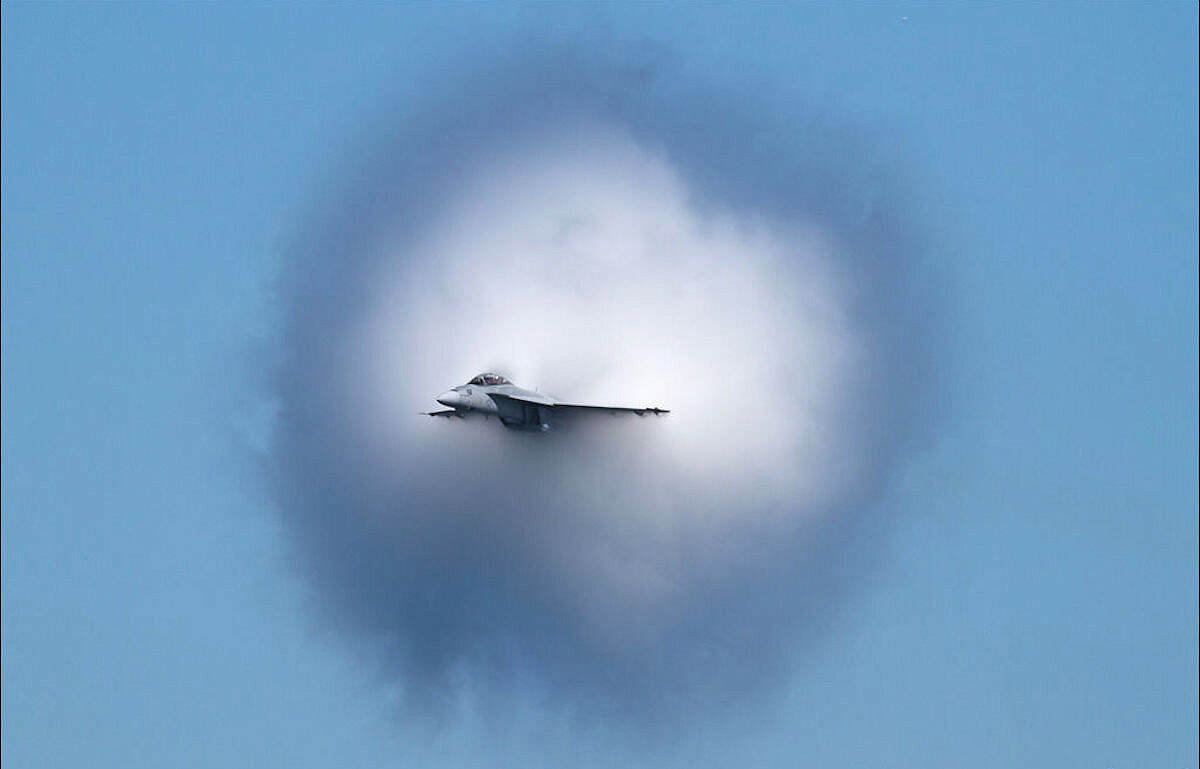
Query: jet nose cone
(451, 398)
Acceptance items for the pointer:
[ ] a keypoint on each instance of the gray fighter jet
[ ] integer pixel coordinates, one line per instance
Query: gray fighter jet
(518, 408)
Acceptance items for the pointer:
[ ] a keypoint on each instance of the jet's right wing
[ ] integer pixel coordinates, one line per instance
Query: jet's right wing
(445, 413)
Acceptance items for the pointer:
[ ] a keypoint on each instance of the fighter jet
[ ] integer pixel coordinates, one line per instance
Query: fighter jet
(516, 407)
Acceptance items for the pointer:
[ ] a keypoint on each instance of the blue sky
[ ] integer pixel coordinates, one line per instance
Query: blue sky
(1036, 599)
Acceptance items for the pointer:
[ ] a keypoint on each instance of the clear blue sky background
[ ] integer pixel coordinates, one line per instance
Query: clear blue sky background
(1037, 602)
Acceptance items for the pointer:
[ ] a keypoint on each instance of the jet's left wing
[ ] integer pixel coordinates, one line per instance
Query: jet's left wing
(534, 411)
(537, 400)
(613, 410)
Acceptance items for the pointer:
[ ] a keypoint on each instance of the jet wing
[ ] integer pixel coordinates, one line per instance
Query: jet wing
(445, 413)
(614, 410)
(556, 406)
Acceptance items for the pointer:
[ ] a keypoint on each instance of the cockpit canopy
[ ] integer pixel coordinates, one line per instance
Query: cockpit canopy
(489, 379)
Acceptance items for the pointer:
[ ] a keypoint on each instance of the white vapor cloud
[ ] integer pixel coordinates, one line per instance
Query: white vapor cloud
(604, 254)
(580, 265)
